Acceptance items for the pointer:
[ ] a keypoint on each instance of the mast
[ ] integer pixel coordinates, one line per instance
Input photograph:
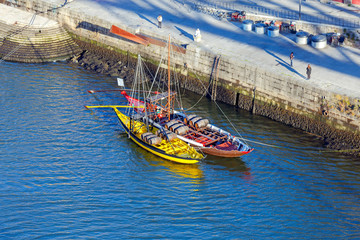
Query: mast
(169, 103)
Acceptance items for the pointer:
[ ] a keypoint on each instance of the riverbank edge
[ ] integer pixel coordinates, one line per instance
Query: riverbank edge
(119, 63)
(281, 98)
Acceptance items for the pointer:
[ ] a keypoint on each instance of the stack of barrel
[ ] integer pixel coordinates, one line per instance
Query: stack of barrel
(151, 138)
(166, 134)
(177, 127)
(195, 121)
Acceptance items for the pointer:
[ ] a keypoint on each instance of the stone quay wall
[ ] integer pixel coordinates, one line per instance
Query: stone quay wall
(278, 97)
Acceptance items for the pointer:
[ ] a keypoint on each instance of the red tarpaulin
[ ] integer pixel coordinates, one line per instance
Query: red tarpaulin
(125, 34)
(162, 43)
(145, 40)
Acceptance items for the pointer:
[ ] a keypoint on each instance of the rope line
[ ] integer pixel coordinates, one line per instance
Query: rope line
(269, 145)
(206, 92)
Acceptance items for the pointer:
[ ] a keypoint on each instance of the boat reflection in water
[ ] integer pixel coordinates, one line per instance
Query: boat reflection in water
(190, 172)
(231, 165)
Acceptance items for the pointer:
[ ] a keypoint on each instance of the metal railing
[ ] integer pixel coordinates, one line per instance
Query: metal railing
(286, 14)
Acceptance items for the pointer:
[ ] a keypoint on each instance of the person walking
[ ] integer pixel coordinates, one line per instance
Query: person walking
(308, 71)
(159, 18)
(291, 58)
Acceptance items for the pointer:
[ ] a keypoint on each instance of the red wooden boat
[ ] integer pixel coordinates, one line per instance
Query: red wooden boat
(192, 129)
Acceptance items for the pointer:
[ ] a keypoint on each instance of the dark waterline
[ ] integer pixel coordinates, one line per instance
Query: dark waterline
(67, 172)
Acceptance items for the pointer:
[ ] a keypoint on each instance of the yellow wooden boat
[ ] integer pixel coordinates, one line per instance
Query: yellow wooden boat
(175, 150)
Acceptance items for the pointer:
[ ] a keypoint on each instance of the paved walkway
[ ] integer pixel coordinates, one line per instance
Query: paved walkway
(334, 69)
(13, 16)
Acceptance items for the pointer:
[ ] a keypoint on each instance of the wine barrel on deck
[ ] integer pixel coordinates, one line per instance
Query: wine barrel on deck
(166, 134)
(151, 138)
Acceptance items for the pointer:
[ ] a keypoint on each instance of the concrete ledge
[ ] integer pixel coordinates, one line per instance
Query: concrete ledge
(237, 80)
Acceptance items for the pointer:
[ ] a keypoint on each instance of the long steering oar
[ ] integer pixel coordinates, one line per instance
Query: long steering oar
(113, 106)
(117, 90)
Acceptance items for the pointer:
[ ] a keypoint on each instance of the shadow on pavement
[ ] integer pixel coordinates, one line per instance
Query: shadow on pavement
(185, 33)
(145, 18)
(283, 63)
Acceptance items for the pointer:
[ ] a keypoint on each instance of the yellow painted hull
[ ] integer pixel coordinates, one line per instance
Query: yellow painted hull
(177, 150)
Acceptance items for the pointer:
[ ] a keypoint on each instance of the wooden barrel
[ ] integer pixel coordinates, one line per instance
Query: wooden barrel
(145, 135)
(175, 126)
(194, 120)
(169, 124)
(166, 134)
(188, 118)
(151, 138)
(201, 123)
(181, 130)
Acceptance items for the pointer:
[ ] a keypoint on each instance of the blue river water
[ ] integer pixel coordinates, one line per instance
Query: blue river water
(70, 173)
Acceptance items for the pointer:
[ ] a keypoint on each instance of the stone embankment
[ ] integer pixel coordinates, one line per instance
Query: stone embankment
(333, 116)
(109, 62)
(104, 61)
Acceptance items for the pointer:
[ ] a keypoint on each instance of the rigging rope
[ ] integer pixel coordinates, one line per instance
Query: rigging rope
(264, 144)
(154, 77)
(177, 89)
(206, 92)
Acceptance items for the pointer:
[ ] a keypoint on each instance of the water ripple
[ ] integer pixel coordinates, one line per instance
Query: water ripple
(67, 172)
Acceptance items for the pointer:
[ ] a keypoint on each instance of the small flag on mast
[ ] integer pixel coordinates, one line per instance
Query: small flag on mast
(120, 82)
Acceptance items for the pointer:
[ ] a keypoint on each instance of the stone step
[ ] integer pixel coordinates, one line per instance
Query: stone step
(50, 50)
(35, 44)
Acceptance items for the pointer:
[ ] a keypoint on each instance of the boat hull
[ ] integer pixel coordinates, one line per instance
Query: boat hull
(222, 153)
(216, 150)
(183, 158)
(213, 150)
